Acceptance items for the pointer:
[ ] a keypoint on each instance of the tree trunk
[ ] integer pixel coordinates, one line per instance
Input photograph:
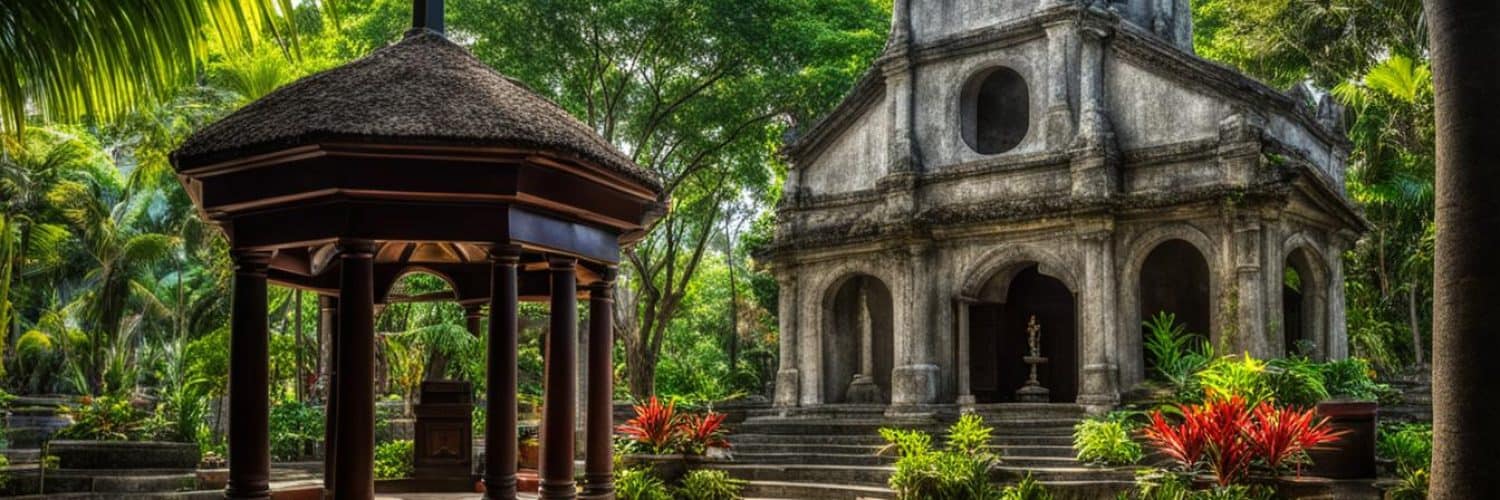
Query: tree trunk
(1465, 397)
(640, 369)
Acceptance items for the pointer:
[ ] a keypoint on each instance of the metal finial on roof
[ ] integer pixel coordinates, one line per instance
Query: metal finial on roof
(426, 16)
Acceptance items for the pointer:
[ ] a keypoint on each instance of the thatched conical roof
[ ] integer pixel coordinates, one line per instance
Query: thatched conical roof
(424, 90)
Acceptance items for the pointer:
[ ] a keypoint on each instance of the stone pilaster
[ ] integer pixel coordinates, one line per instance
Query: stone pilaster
(1338, 333)
(1250, 288)
(1099, 385)
(1062, 63)
(914, 381)
(1096, 156)
(788, 376)
(965, 390)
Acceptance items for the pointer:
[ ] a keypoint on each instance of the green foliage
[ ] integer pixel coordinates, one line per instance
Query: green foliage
(1412, 486)
(295, 428)
(393, 459)
(636, 483)
(1296, 382)
(969, 435)
(1106, 441)
(708, 484)
(959, 471)
(105, 418)
(1408, 445)
(1157, 484)
(1027, 489)
(1353, 378)
(1176, 355)
(1237, 376)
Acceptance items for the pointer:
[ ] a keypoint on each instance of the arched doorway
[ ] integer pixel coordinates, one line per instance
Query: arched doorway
(998, 336)
(1175, 280)
(858, 348)
(1302, 305)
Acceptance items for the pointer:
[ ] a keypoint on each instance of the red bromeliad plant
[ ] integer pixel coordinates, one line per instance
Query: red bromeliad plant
(1229, 454)
(655, 425)
(701, 432)
(1280, 434)
(1183, 443)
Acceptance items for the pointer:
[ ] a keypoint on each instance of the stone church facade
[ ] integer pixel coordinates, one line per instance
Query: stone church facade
(1068, 161)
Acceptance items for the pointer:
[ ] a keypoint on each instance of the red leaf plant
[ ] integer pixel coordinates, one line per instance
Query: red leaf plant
(655, 425)
(1280, 434)
(1211, 432)
(1183, 443)
(1223, 421)
(701, 432)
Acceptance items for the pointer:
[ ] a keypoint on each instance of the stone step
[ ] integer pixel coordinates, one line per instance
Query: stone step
(788, 490)
(1038, 462)
(17, 456)
(870, 439)
(28, 437)
(812, 458)
(742, 448)
(1009, 473)
(868, 475)
(145, 484)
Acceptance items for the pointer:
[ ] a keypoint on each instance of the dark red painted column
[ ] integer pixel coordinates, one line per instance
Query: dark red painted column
(1466, 81)
(328, 310)
(354, 459)
(598, 467)
(500, 392)
(560, 394)
(249, 359)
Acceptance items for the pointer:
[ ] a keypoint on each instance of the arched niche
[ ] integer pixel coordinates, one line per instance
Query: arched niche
(998, 320)
(858, 347)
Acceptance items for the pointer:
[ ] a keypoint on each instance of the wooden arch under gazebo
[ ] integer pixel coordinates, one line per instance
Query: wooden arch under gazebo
(419, 157)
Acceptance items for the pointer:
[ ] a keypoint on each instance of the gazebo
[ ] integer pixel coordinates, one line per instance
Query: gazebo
(419, 157)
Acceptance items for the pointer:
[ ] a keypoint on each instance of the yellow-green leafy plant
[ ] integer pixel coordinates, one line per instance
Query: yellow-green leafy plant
(1106, 442)
(393, 459)
(709, 484)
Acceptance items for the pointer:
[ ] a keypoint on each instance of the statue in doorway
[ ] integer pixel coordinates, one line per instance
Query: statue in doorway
(1032, 391)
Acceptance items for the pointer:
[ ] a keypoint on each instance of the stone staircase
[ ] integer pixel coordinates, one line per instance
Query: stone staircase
(833, 452)
(1416, 398)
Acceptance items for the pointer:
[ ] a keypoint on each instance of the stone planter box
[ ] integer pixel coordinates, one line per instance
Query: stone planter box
(669, 468)
(115, 455)
(1353, 455)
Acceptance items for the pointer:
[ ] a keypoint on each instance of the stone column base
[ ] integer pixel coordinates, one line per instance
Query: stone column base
(1098, 393)
(914, 385)
(862, 390)
(788, 383)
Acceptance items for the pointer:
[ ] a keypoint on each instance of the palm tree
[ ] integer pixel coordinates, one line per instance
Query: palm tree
(77, 58)
(118, 297)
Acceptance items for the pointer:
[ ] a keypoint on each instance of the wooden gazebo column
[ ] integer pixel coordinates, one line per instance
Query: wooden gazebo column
(249, 359)
(328, 310)
(354, 459)
(500, 391)
(599, 452)
(560, 395)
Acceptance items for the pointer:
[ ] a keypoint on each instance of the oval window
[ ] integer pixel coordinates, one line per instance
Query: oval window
(995, 110)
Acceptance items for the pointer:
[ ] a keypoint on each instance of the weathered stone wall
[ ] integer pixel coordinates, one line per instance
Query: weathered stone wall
(1131, 142)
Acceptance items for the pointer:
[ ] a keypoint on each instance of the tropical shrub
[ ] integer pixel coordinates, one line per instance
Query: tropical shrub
(700, 432)
(1227, 436)
(1281, 435)
(1296, 381)
(1106, 441)
(708, 484)
(1177, 356)
(393, 459)
(1409, 446)
(958, 471)
(1354, 379)
(295, 427)
(105, 418)
(655, 426)
(1167, 485)
(1026, 489)
(1243, 377)
(638, 484)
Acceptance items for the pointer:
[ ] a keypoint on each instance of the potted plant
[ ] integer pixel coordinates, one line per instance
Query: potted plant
(1352, 412)
(655, 431)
